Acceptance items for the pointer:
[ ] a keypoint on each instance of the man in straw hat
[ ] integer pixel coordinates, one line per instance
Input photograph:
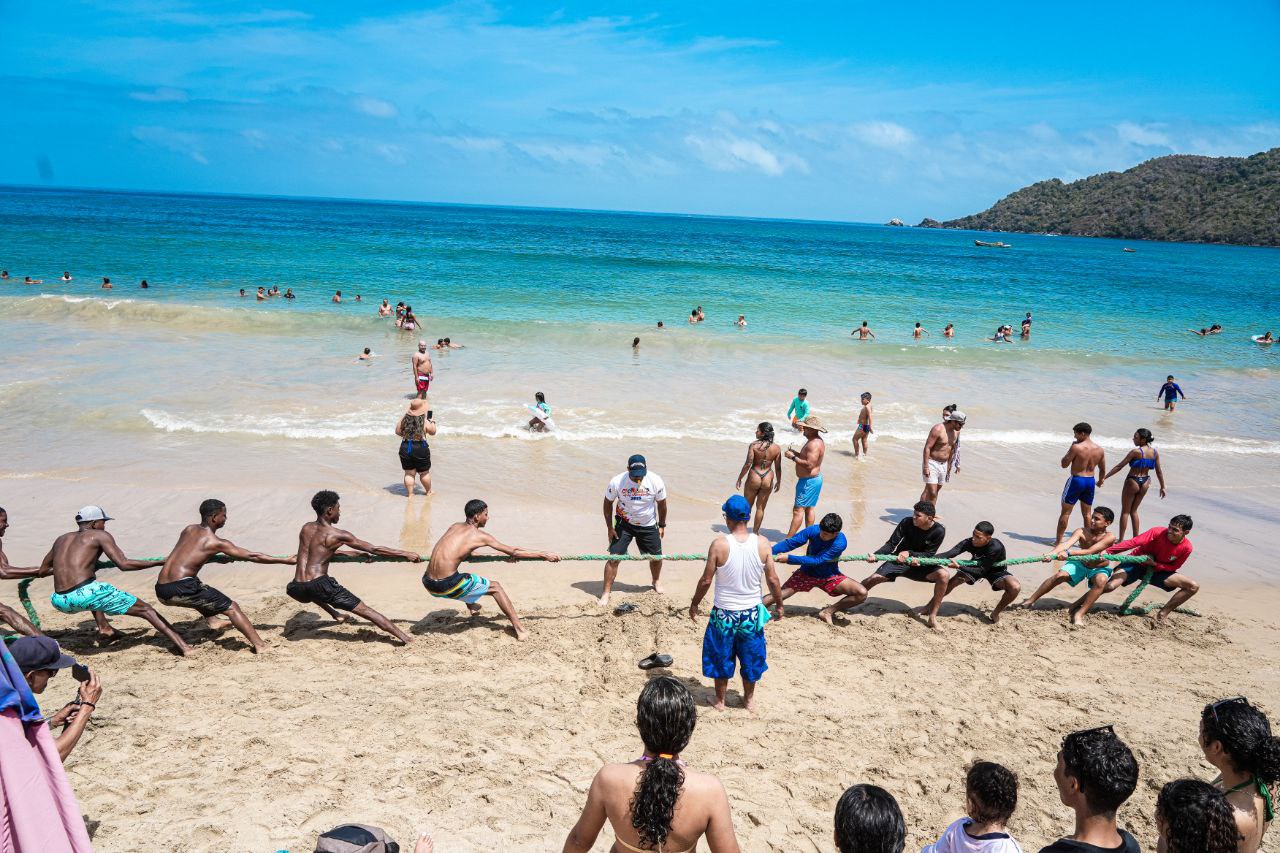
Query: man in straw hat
(808, 472)
(74, 560)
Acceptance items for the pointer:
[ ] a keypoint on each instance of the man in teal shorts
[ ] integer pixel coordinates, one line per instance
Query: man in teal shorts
(74, 562)
(1080, 568)
(808, 473)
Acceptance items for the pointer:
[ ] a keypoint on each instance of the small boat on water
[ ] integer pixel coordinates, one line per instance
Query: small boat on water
(995, 245)
(1127, 249)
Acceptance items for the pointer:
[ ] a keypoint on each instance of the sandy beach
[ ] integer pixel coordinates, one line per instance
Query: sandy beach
(491, 744)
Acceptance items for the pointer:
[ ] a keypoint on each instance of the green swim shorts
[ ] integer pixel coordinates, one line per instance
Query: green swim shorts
(94, 595)
(1077, 572)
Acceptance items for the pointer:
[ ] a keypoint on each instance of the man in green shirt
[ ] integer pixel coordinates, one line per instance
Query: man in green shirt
(799, 408)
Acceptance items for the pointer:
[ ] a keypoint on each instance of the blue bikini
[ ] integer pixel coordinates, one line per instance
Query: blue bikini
(1142, 463)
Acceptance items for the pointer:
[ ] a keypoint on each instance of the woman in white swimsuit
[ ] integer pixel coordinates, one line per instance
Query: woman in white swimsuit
(656, 803)
(762, 470)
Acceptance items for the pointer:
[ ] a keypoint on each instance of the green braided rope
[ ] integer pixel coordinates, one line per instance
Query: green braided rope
(25, 598)
(1127, 608)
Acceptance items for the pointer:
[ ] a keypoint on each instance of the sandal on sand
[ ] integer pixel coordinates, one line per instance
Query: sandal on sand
(624, 608)
(655, 661)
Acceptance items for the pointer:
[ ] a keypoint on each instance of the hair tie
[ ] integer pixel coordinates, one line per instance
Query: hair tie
(666, 755)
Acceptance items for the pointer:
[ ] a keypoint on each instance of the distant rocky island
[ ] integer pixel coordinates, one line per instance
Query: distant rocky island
(1181, 198)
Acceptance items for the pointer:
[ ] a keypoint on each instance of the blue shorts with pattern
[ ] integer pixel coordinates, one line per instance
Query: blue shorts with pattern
(735, 636)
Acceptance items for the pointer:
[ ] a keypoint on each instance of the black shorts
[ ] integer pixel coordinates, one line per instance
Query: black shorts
(323, 590)
(195, 594)
(973, 574)
(891, 571)
(648, 539)
(415, 456)
(1158, 579)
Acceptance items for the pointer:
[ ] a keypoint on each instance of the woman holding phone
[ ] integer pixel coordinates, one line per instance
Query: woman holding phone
(415, 456)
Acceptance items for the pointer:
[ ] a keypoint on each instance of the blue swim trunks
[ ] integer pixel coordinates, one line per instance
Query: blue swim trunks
(1077, 572)
(735, 635)
(1079, 488)
(807, 491)
(460, 586)
(93, 595)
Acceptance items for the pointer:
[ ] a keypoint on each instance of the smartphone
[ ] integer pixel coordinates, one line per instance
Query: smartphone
(79, 672)
(431, 414)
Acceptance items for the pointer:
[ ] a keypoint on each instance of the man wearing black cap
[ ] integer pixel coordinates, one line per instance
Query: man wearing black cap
(640, 513)
(39, 659)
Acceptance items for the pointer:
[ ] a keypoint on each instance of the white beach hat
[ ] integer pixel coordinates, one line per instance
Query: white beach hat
(957, 416)
(92, 513)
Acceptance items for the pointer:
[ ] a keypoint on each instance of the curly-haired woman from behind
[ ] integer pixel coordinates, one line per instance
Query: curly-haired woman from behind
(1195, 817)
(1236, 738)
(656, 803)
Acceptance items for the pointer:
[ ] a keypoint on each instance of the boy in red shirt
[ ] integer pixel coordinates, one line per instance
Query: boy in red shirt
(1168, 548)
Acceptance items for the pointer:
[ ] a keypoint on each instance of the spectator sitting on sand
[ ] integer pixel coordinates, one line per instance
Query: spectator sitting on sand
(1236, 738)
(1195, 817)
(1096, 773)
(868, 820)
(656, 802)
(991, 795)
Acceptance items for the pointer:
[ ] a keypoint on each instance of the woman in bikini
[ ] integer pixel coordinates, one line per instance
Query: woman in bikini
(762, 470)
(656, 803)
(1142, 460)
(1236, 738)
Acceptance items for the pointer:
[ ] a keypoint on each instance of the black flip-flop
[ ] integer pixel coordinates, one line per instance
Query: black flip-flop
(624, 608)
(656, 661)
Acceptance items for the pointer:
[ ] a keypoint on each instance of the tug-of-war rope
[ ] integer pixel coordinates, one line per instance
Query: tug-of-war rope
(1126, 609)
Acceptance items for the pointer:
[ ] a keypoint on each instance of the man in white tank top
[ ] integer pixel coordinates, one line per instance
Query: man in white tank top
(737, 563)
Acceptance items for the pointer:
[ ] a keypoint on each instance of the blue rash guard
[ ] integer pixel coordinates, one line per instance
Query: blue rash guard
(1171, 390)
(821, 557)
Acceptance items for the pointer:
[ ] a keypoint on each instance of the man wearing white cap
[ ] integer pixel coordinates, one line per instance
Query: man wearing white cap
(74, 561)
(941, 454)
(420, 365)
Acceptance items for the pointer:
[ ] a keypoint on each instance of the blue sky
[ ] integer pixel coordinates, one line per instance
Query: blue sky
(851, 111)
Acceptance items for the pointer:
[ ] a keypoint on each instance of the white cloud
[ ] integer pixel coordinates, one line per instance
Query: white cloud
(1143, 134)
(482, 144)
(375, 107)
(727, 153)
(187, 144)
(591, 155)
(162, 95)
(883, 134)
(393, 154)
(254, 137)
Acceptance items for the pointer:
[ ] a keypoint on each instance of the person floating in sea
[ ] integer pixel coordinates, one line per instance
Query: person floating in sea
(106, 283)
(318, 542)
(864, 332)
(660, 325)
(918, 535)
(366, 355)
(449, 344)
(988, 552)
(949, 331)
(8, 615)
(30, 280)
(1083, 565)
(1084, 458)
(1170, 391)
(1142, 460)
(74, 561)
(541, 413)
(66, 276)
(179, 585)
(863, 429)
(942, 453)
(1215, 329)
(808, 472)
(443, 580)
(1168, 547)
(799, 408)
(4, 274)
(242, 293)
(762, 470)
(1202, 333)
(420, 369)
(1265, 339)
(288, 293)
(635, 508)
(144, 284)
(358, 299)
(818, 567)
(741, 322)
(737, 562)
(701, 316)
(337, 297)
(919, 331)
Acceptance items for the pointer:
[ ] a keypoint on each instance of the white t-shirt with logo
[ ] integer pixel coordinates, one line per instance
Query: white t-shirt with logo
(637, 503)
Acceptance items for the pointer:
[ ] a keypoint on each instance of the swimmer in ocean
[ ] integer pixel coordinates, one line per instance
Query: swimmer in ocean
(864, 332)
(4, 274)
(863, 429)
(262, 294)
(1202, 333)
(1026, 327)
(242, 293)
(288, 293)
(106, 283)
(635, 343)
(742, 321)
(366, 355)
(337, 297)
(919, 331)
(1170, 391)
(1265, 339)
(693, 317)
(66, 276)
(660, 326)
(30, 280)
(384, 310)
(949, 331)
(542, 413)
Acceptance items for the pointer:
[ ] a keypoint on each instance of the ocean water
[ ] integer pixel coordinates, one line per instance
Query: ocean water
(188, 376)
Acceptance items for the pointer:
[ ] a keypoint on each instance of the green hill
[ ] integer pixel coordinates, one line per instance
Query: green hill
(1180, 198)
